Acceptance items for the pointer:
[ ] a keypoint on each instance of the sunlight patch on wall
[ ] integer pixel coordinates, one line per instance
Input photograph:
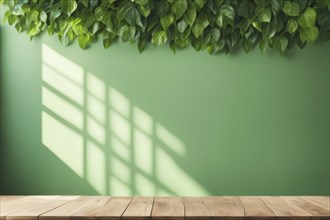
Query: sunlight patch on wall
(119, 102)
(61, 84)
(143, 150)
(120, 127)
(144, 186)
(142, 120)
(173, 177)
(95, 130)
(96, 167)
(110, 142)
(62, 108)
(170, 140)
(64, 142)
(121, 170)
(63, 65)
(118, 188)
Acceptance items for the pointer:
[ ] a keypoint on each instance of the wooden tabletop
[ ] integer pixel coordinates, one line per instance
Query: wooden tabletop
(164, 208)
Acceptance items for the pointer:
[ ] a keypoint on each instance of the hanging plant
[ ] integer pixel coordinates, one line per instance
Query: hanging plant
(214, 25)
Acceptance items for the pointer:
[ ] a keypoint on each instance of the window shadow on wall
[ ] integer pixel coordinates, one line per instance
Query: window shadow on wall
(105, 138)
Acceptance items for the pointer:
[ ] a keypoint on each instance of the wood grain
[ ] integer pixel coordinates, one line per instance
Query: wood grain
(284, 210)
(225, 207)
(114, 209)
(321, 201)
(92, 206)
(165, 208)
(12, 206)
(140, 209)
(317, 212)
(65, 211)
(9, 198)
(256, 209)
(196, 209)
(33, 212)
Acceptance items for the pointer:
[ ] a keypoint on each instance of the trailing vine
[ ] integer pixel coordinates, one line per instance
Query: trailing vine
(212, 25)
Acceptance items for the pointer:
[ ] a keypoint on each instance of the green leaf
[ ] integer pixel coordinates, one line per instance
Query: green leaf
(307, 19)
(235, 37)
(211, 49)
(309, 34)
(145, 10)
(227, 11)
(182, 25)
(107, 42)
(265, 15)
(68, 7)
(19, 27)
(301, 44)
(226, 15)
(93, 3)
(200, 3)
(160, 37)
(197, 29)
(161, 8)
(133, 16)
(12, 19)
(247, 45)
(246, 9)
(213, 25)
(84, 40)
(166, 21)
(292, 26)
(84, 2)
(263, 45)
(281, 44)
(142, 44)
(257, 26)
(186, 33)
(291, 9)
(173, 46)
(276, 6)
(127, 33)
(182, 43)
(54, 14)
(215, 34)
(34, 29)
(43, 16)
(99, 13)
(76, 26)
(51, 29)
(141, 2)
(190, 15)
(179, 7)
(5, 17)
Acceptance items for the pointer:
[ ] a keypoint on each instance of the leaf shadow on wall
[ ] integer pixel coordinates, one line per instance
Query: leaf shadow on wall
(105, 138)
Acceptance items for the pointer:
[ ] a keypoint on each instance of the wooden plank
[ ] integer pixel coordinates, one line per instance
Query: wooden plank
(225, 207)
(317, 212)
(195, 209)
(321, 201)
(284, 210)
(12, 206)
(33, 212)
(140, 208)
(114, 209)
(167, 208)
(92, 206)
(9, 198)
(256, 209)
(65, 211)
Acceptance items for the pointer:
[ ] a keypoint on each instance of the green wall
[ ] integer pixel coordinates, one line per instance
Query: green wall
(118, 122)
